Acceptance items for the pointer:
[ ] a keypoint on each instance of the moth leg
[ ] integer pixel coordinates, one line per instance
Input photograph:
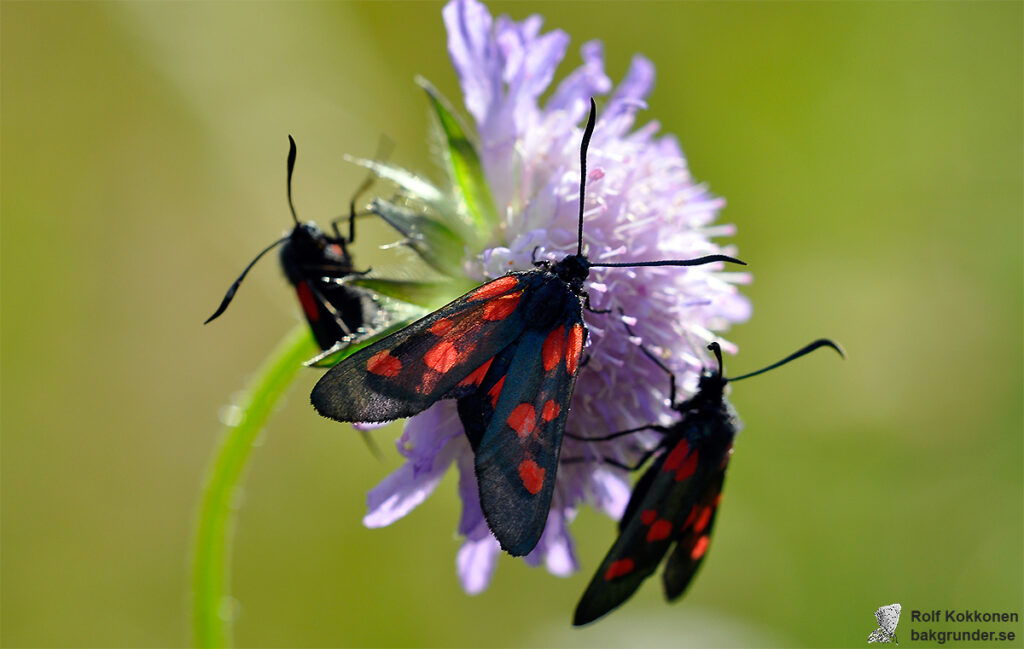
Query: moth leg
(351, 216)
(539, 263)
(603, 438)
(586, 305)
(611, 461)
(383, 153)
(332, 275)
(330, 309)
(657, 361)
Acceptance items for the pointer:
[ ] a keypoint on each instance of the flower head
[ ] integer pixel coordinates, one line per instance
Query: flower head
(641, 204)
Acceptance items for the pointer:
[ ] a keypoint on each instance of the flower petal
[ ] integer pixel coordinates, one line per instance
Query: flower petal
(610, 491)
(474, 54)
(628, 97)
(472, 515)
(430, 442)
(559, 551)
(399, 494)
(475, 561)
(586, 81)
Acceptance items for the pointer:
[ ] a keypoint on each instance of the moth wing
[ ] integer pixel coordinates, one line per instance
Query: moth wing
(332, 312)
(640, 489)
(692, 540)
(406, 372)
(668, 489)
(517, 456)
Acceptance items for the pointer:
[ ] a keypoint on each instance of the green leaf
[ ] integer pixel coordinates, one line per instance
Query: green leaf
(427, 294)
(465, 169)
(432, 240)
(407, 180)
(341, 351)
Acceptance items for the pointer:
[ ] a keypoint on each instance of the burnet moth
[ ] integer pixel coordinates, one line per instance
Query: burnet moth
(510, 352)
(675, 501)
(315, 262)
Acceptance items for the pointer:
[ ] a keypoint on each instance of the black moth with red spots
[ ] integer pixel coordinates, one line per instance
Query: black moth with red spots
(675, 501)
(510, 352)
(314, 261)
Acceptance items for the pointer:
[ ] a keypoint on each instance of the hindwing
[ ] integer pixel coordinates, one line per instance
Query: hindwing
(692, 540)
(522, 407)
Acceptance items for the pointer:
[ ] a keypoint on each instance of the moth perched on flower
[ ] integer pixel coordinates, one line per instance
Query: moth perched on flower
(517, 200)
(509, 351)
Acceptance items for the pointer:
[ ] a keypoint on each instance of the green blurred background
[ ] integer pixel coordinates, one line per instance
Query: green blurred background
(871, 155)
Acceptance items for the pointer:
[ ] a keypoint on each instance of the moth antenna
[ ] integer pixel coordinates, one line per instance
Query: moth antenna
(291, 167)
(821, 342)
(670, 262)
(234, 287)
(587, 132)
(717, 349)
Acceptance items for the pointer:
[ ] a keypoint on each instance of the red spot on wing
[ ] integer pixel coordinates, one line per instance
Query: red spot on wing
(428, 382)
(700, 547)
(441, 327)
(477, 377)
(688, 467)
(702, 520)
(308, 301)
(573, 349)
(691, 517)
(551, 352)
(718, 498)
(676, 456)
(532, 476)
(491, 289)
(441, 357)
(522, 420)
(495, 392)
(659, 531)
(384, 364)
(550, 410)
(618, 569)
(502, 307)
(648, 516)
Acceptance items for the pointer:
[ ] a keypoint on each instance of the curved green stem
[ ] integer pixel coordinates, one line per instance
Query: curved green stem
(211, 603)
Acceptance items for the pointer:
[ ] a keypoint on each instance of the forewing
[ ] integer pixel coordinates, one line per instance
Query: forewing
(404, 373)
(669, 488)
(640, 489)
(517, 456)
(333, 312)
(693, 539)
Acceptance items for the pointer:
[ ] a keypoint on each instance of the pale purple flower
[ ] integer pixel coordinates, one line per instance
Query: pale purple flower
(641, 204)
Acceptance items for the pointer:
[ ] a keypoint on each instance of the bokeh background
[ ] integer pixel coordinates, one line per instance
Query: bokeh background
(871, 155)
